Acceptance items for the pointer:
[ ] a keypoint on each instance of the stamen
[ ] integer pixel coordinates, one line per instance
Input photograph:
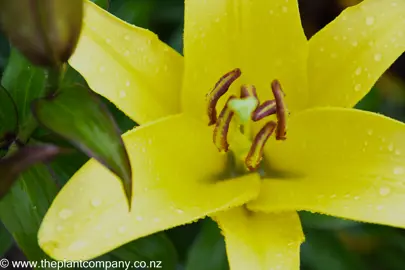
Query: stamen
(265, 109)
(255, 154)
(248, 90)
(220, 88)
(281, 111)
(222, 127)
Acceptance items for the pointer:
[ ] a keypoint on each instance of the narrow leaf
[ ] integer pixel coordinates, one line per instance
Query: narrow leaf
(23, 208)
(156, 250)
(5, 240)
(11, 167)
(102, 3)
(8, 121)
(25, 83)
(76, 114)
(208, 249)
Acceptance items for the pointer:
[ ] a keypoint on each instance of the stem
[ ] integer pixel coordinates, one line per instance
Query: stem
(54, 77)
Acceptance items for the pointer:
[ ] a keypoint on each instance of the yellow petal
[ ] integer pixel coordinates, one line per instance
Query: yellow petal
(128, 65)
(176, 181)
(348, 56)
(340, 162)
(261, 241)
(263, 38)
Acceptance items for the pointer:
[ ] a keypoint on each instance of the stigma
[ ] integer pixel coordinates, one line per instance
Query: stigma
(247, 107)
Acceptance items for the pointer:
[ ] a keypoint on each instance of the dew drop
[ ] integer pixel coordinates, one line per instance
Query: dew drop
(123, 94)
(356, 198)
(333, 196)
(358, 71)
(80, 244)
(384, 191)
(390, 147)
(399, 170)
(108, 40)
(370, 132)
(65, 213)
(128, 83)
(355, 43)
(139, 218)
(179, 211)
(379, 207)
(377, 57)
(284, 9)
(156, 220)
(397, 152)
(357, 87)
(122, 229)
(127, 37)
(370, 20)
(101, 69)
(59, 228)
(96, 202)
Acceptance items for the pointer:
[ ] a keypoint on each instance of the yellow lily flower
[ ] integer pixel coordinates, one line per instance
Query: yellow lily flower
(334, 160)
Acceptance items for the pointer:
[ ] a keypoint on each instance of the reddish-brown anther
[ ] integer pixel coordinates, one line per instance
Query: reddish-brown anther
(220, 88)
(222, 127)
(265, 109)
(281, 110)
(255, 154)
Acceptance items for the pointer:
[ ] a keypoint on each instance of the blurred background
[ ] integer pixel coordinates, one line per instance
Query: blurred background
(331, 243)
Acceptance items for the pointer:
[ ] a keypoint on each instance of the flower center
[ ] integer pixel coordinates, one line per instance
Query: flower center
(247, 108)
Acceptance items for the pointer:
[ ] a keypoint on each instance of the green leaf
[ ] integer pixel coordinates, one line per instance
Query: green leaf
(25, 83)
(102, 3)
(24, 207)
(208, 250)
(76, 114)
(156, 247)
(319, 221)
(12, 166)
(6, 241)
(323, 250)
(8, 121)
(64, 166)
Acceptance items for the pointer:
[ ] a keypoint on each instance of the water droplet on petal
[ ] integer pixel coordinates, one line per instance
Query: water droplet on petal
(128, 83)
(356, 198)
(80, 244)
(123, 94)
(390, 147)
(122, 229)
(370, 132)
(139, 218)
(399, 170)
(377, 57)
(59, 228)
(397, 152)
(65, 213)
(370, 20)
(379, 207)
(358, 71)
(96, 202)
(384, 191)
(357, 87)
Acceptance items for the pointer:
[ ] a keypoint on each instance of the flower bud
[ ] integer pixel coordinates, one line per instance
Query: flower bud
(45, 31)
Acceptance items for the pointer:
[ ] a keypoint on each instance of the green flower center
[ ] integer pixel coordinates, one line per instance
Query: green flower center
(246, 108)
